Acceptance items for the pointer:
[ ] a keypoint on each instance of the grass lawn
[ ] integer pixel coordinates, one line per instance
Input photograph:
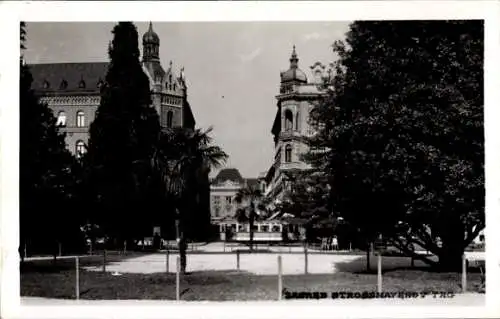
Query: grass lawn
(43, 279)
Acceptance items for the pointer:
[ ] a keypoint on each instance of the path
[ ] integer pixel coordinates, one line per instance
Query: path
(467, 299)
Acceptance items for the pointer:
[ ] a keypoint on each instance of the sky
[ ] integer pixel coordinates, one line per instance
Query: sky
(232, 70)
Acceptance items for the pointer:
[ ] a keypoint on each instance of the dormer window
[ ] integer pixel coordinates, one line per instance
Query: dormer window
(81, 85)
(64, 85)
(46, 84)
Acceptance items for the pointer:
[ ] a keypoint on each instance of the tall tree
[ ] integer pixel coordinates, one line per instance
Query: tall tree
(122, 139)
(250, 197)
(182, 158)
(403, 127)
(46, 170)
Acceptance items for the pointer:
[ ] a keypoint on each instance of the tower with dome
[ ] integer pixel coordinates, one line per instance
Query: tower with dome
(291, 126)
(72, 91)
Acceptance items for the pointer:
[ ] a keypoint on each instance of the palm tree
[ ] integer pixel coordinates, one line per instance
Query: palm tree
(182, 158)
(251, 196)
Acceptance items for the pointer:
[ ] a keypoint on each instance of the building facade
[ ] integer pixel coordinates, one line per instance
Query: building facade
(72, 91)
(223, 190)
(291, 126)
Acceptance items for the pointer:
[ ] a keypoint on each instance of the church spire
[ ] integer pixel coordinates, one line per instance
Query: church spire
(150, 45)
(294, 60)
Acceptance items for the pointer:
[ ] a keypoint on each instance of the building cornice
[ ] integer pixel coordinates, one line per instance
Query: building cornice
(76, 100)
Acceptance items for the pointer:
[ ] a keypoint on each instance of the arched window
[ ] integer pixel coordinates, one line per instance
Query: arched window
(79, 149)
(297, 121)
(170, 116)
(174, 87)
(81, 84)
(80, 119)
(63, 85)
(61, 119)
(288, 153)
(288, 120)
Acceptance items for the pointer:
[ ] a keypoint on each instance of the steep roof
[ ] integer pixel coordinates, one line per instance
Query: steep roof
(252, 182)
(231, 174)
(81, 77)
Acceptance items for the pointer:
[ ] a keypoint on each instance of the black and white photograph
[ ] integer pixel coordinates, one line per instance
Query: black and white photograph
(327, 162)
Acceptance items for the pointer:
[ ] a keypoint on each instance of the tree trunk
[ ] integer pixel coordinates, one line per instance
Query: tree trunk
(251, 222)
(450, 254)
(54, 252)
(368, 257)
(182, 253)
(450, 257)
(181, 242)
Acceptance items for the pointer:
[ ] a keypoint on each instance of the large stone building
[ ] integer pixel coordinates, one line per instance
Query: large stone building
(291, 124)
(223, 190)
(72, 91)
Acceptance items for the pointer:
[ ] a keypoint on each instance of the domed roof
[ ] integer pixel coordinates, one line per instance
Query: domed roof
(150, 36)
(294, 73)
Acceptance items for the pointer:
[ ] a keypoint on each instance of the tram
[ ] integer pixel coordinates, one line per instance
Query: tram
(263, 231)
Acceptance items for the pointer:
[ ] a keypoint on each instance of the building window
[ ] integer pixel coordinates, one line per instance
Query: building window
(80, 119)
(297, 121)
(174, 87)
(81, 85)
(64, 85)
(228, 200)
(288, 153)
(61, 119)
(170, 116)
(288, 120)
(80, 149)
(46, 84)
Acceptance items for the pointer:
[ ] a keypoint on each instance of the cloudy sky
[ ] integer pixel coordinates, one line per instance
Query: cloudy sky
(232, 69)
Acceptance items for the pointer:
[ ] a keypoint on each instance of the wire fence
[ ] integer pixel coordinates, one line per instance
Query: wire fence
(277, 266)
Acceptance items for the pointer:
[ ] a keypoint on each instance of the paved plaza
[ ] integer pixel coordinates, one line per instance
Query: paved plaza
(255, 263)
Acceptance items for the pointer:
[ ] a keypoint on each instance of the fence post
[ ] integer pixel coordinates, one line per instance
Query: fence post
(280, 278)
(178, 280)
(379, 272)
(464, 273)
(77, 287)
(237, 260)
(167, 254)
(305, 260)
(104, 261)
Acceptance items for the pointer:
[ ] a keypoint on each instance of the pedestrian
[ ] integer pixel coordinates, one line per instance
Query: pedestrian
(335, 243)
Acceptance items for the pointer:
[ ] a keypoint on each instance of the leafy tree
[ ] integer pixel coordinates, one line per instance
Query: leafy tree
(47, 169)
(182, 159)
(122, 139)
(250, 197)
(403, 132)
(307, 196)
